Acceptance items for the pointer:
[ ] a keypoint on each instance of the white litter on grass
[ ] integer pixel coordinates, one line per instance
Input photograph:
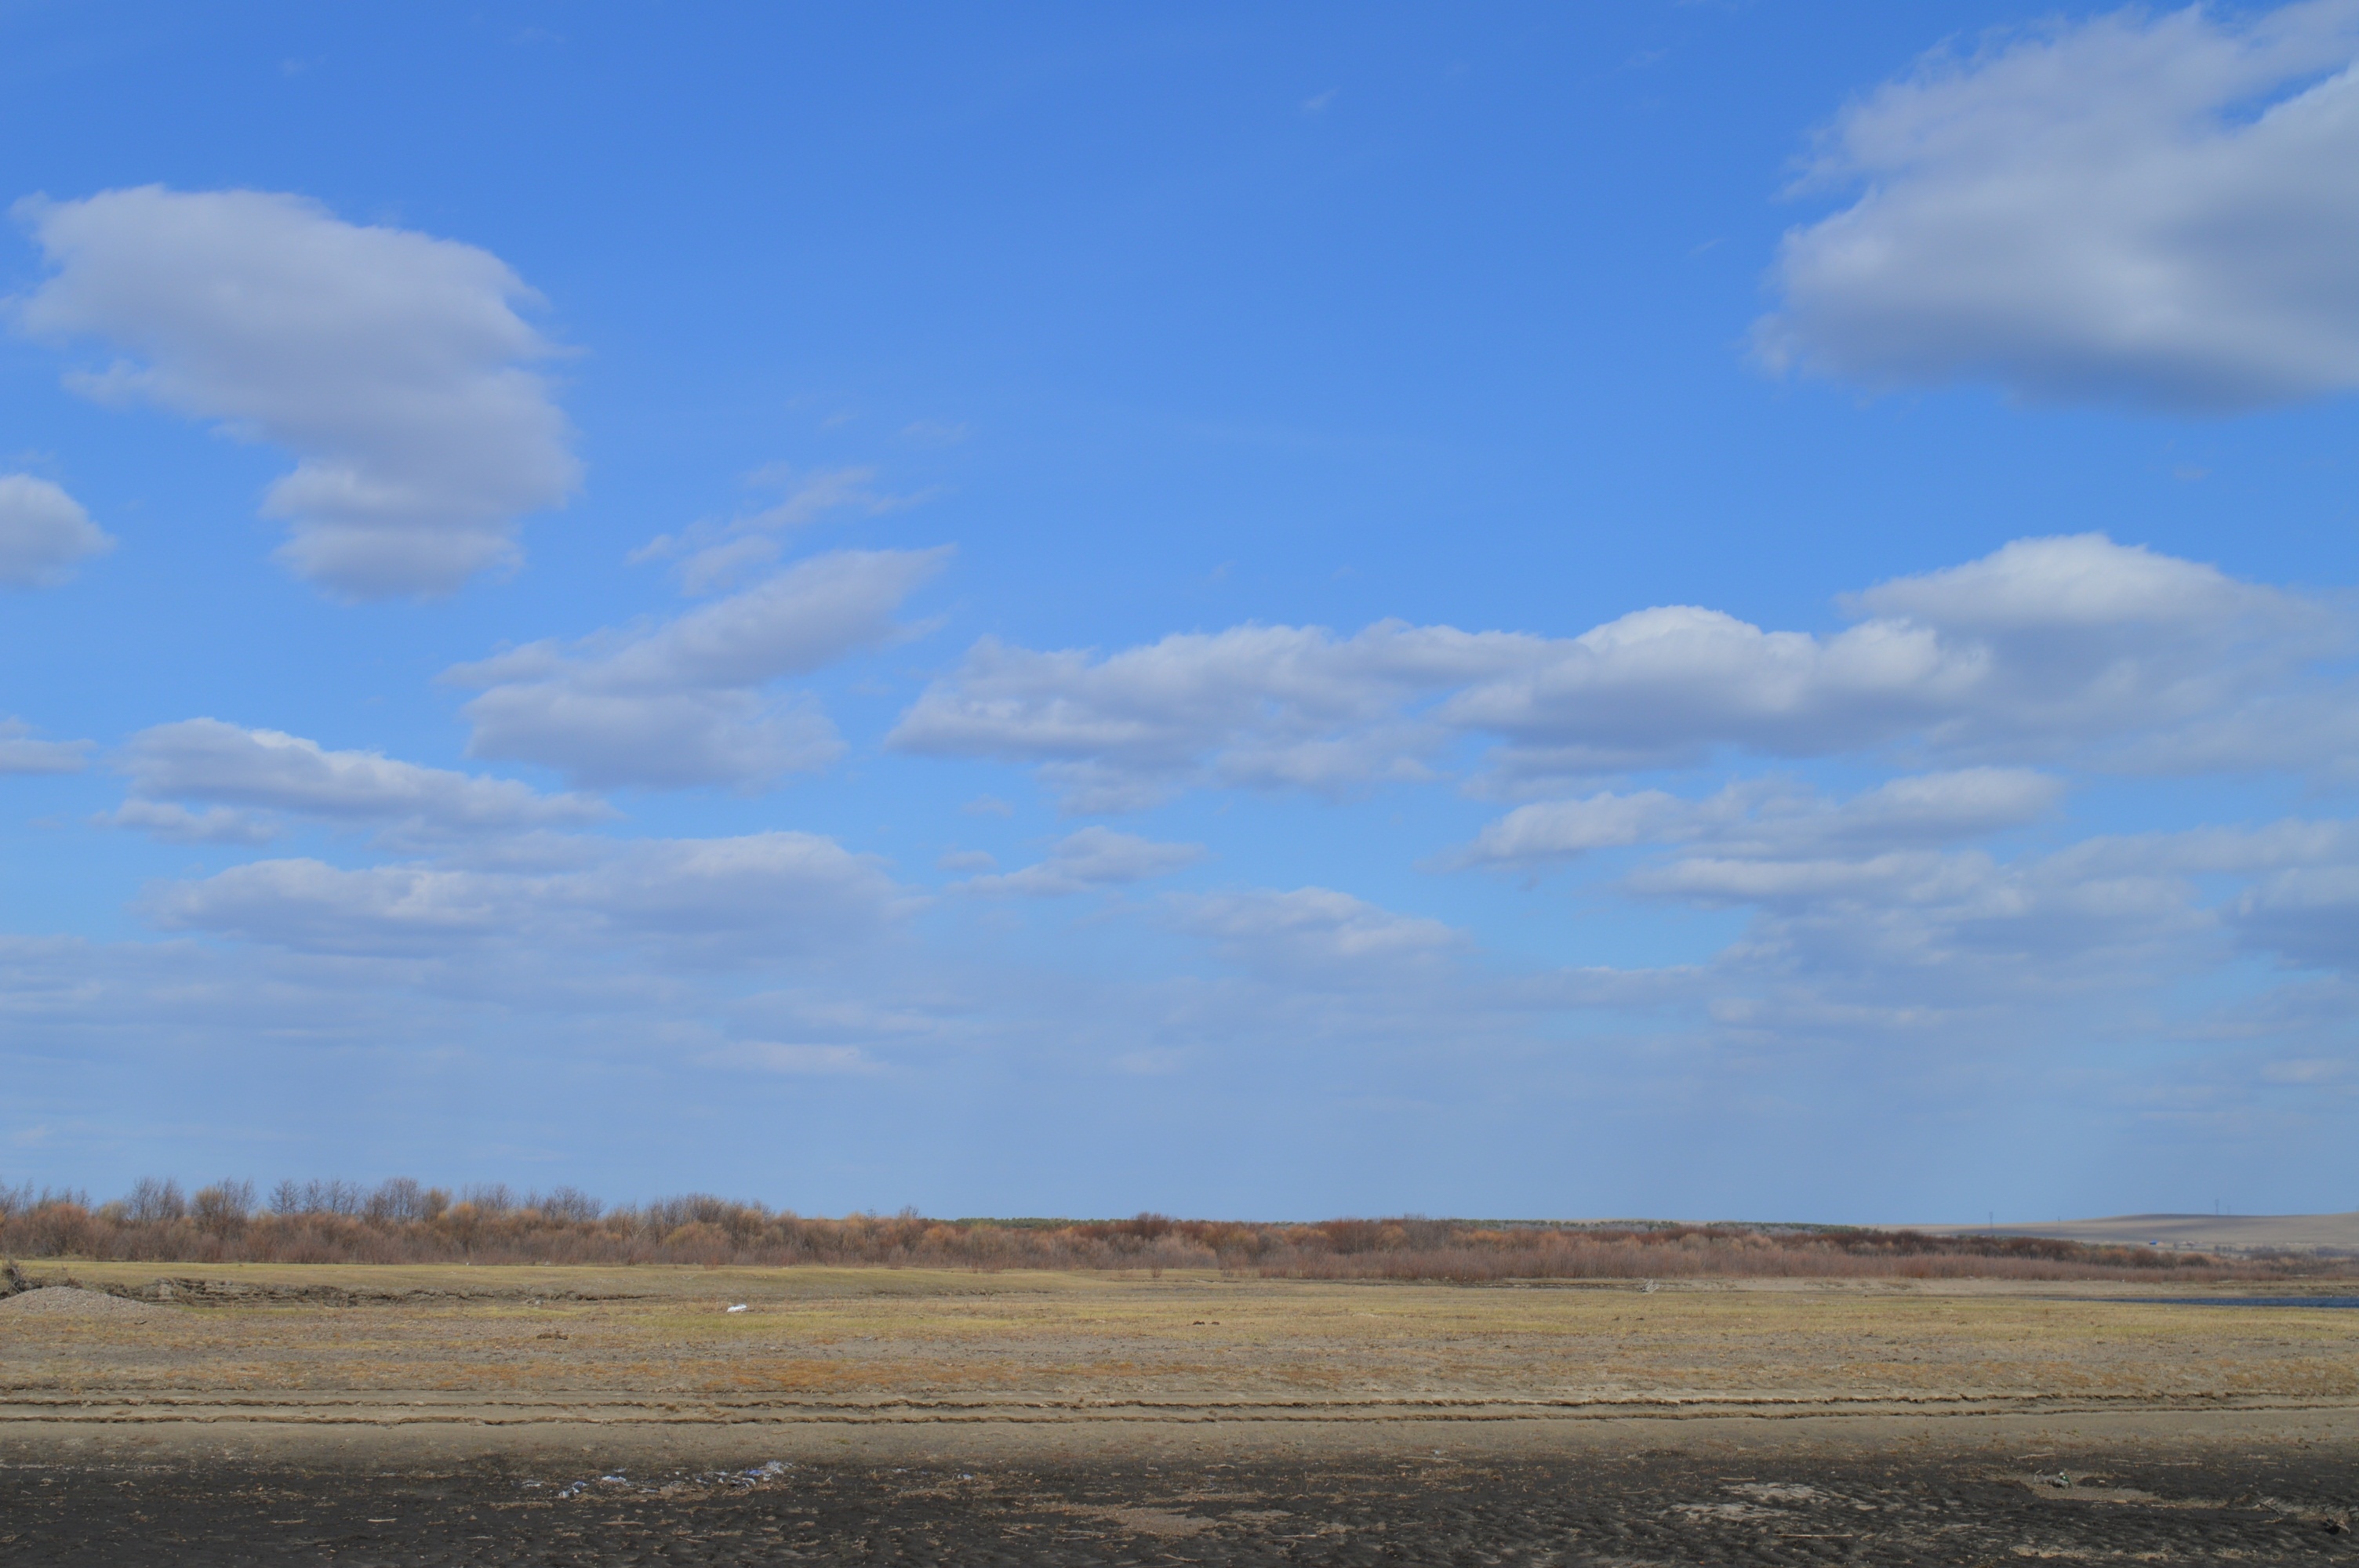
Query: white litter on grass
(739, 1307)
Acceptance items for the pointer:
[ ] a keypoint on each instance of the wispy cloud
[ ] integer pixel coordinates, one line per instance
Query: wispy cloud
(717, 556)
(689, 701)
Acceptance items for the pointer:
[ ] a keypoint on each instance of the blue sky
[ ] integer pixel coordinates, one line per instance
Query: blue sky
(1716, 610)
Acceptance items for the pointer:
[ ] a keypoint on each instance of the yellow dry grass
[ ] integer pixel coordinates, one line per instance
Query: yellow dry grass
(868, 1335)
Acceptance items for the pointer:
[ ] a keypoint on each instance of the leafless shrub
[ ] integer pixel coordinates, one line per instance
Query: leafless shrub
(400, 1221)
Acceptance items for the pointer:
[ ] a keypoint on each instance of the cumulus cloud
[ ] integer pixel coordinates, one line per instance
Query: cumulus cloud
(20, 754)
(392, 364)
(1093, 857)
(2047, 648)
(237, 772)
(1262, 706)
(2044, 647)
(767, 895)
(2154, 211)
(44, 532)
(684, 702)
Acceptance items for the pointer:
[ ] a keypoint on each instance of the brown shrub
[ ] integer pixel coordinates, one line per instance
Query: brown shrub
(400, 1221)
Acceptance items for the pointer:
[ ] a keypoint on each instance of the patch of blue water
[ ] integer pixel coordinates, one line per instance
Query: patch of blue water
(2234, 1301)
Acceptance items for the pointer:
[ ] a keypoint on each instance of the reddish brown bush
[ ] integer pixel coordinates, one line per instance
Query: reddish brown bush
(401, 1222)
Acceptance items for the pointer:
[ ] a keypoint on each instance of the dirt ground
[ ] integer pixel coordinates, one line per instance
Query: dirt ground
(429, 1415)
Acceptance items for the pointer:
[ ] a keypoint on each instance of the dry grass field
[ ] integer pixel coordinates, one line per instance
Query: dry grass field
(363, 1345)
(432, 1414)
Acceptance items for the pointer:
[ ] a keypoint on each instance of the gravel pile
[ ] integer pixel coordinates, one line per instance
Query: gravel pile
(72, 1301)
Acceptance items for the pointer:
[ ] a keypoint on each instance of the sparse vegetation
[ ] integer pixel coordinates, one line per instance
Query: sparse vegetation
(401, 1221)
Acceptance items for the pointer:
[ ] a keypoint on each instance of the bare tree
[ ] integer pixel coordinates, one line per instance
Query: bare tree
(397, 1200)
(152, 1200)
(223, 1207)
(572, 1204)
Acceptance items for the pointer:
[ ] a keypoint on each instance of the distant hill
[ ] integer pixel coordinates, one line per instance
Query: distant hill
(2201, 1232)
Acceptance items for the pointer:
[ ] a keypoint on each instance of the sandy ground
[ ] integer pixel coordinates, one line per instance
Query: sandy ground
(1084, 1409)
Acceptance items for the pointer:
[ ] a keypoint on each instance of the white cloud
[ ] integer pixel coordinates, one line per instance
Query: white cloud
(716, 556)
(1091, 858)
(392, 364)
(2215, 851)
(315, 907)
(1554, 829)
(2154, 210)
(44, 532)
(1865, 927)
(1889, 946)
(2046, 649)
(2307, 914)
(765, 896)
(1766, 817)
(206, 760)
(20, 754)
(1662, 687)
(683, 703)
(773, 1056)
(1867, 923)
(1925, 808)
(1316, 934)
(2311, 1070)
(178, 825)
(1262, 706)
